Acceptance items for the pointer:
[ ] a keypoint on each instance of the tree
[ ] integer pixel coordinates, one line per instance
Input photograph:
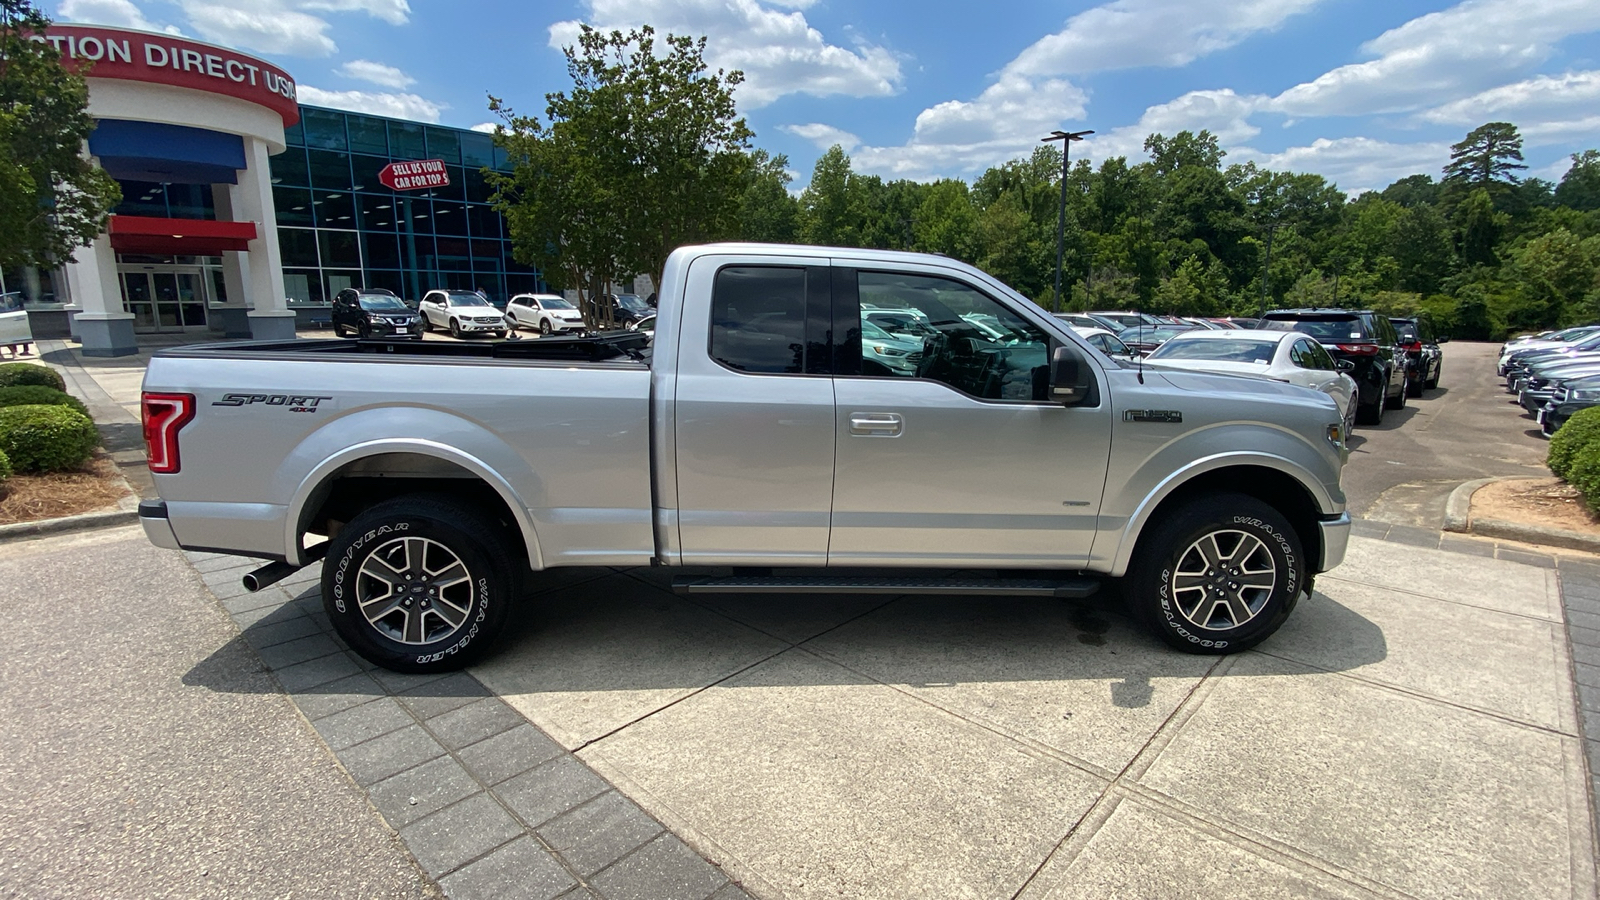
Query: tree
(1413, 191)
(52, 200)
(1486, 157)
(648, 138)
(767, 211)
(1558, 269)
(946, 221)
(1580, 187)
(825, 203)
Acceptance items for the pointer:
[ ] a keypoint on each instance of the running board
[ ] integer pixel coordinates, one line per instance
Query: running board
(1074, 587)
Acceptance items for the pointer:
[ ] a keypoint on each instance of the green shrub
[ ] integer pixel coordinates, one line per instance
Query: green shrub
(46, 438)
(1578, 432)
(5, 467)
(1584, 473)
(20, 373)
(39, 395)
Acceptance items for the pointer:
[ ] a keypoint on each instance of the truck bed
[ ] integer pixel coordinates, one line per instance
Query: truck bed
(622, 346)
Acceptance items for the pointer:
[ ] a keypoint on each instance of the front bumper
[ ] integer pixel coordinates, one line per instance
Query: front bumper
(1335, 539)
(386, 329)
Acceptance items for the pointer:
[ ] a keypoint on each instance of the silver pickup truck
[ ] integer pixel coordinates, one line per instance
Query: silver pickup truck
(760, 444)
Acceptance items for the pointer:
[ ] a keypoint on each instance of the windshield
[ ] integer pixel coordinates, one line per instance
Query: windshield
(632, 303)
(1324, 330)
(382, 303)
(1229, 350)
(467, 299)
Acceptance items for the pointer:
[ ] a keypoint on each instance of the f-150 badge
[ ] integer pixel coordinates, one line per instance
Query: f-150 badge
(1169, 416)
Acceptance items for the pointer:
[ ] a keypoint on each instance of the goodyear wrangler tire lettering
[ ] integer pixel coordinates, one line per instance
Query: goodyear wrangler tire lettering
(1219, 574)
(418, 584)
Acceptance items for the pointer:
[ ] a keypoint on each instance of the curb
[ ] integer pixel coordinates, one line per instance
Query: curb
(1458, 518)
(84, 522)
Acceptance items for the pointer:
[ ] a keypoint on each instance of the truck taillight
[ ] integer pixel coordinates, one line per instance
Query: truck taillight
(164, 415)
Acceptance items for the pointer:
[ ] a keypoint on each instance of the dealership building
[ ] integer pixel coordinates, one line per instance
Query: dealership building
(243, 212)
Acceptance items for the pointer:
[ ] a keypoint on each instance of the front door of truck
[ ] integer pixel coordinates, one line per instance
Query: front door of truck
(958, 459)
(754, 412)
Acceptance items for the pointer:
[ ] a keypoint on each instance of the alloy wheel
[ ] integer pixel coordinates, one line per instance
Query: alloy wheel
(414, 590)
(1223, 580)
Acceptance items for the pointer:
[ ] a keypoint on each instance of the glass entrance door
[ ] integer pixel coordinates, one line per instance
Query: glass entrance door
(165, 301)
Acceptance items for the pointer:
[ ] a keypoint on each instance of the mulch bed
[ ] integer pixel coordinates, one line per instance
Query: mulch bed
(26, 497)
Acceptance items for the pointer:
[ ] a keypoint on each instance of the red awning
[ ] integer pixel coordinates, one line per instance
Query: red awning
(178, 237)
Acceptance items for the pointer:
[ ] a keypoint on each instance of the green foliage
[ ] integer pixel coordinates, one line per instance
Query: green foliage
(39, 395)
(46, 438)
(1580, 187)
(1578, 433)
(52, 200)
(5, 467)
(644, 154)
(1487, 157)
(21, 373)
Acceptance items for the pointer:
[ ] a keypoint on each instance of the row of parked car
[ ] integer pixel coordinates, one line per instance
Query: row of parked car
(1366, 361)
(378, 313)
(1554, 373)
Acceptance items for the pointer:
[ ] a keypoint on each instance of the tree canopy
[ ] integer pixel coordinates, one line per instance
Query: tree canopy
(52, 200)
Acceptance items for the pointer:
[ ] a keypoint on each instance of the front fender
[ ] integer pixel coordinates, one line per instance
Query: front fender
(371, 433)
(1126, 537)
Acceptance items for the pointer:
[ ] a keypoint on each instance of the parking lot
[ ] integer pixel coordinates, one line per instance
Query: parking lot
(1411, 732)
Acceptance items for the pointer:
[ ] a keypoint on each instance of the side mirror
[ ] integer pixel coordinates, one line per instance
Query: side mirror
(1444, 339)
(1070, 376)
(1344, 365)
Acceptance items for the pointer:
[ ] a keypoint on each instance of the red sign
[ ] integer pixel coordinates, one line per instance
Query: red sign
(164, 59)
(414, 175)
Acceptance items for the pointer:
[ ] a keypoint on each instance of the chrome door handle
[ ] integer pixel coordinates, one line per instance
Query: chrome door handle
(876, 424)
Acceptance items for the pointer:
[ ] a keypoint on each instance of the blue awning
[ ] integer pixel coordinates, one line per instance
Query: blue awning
(173, 154)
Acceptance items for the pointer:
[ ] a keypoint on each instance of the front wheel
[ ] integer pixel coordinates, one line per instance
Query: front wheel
(1219, 574)
(455, 328)
(1433, 383)
(544, 327)
(418, 584)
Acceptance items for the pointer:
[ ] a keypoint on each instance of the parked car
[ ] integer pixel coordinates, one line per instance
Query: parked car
(1538, 362)
(462, 312)
(1566, 400)
(626, 309)
(1543, 341)
(1290, 356)
(760, 441)
(1105, 342)
(1422, 351)
(373, 313)
(15, 333)
(1125, 319)
(549, 313)
(905, 324)
(1084, 320)
(645, 326)
(1143, 339)
(900, 355)
(1363, 337)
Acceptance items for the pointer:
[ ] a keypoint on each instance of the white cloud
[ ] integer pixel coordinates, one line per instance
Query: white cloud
(116, 13)
(1129, 33)
(282, 26)
(1577, 132)
(396, 106)
(823, 136)
(485, 127)
(1443, 56)
(1357, 164)
(779, 52)
(1540, 97)
(375, 73)
(1223, 113)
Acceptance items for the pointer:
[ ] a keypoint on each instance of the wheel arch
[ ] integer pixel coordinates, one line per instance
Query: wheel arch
(368, 473)
(1276, 482)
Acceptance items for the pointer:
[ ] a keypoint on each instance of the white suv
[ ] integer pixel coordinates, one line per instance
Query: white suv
(463, 312)
(549, 313)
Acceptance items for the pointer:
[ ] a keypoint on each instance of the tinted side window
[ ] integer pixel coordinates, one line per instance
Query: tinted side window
(758, 319)
(1321, 358)
(1299, 355)
(950, 332)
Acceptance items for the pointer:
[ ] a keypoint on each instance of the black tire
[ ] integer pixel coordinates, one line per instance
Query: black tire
(1398, 401)
(544, 327)
(1169, 569)
(1350, 415)
(420, 539)
(363, 332)
(427, 324)
(1433, 383)
(455, 329)
(1370, 413)
(338, 330)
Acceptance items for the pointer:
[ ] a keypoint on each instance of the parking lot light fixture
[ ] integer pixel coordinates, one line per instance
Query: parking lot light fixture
(1066, 138)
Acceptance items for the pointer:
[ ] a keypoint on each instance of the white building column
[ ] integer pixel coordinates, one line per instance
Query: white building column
(231, 317)
(251, 200)
(104, 327)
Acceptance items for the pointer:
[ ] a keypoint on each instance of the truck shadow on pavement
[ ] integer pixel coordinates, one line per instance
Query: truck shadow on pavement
(606, 631)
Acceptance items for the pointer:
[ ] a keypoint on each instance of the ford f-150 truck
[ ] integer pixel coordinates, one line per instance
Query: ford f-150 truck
(759, 443)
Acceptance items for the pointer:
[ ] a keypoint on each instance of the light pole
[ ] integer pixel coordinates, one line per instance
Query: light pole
(1066, 138)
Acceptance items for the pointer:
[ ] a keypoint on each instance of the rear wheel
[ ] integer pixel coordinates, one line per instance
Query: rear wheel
(1370, 413)
(418, 584)
(1218, 575)
(1398, 401)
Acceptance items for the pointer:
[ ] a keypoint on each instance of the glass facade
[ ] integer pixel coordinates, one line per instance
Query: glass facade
(338, 227)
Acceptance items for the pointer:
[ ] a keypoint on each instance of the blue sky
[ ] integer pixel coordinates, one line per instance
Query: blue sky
(1360, 91)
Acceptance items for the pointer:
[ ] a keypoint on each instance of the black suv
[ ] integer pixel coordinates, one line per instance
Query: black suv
(1422, 353)
(374, 312)
(1365, 338)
